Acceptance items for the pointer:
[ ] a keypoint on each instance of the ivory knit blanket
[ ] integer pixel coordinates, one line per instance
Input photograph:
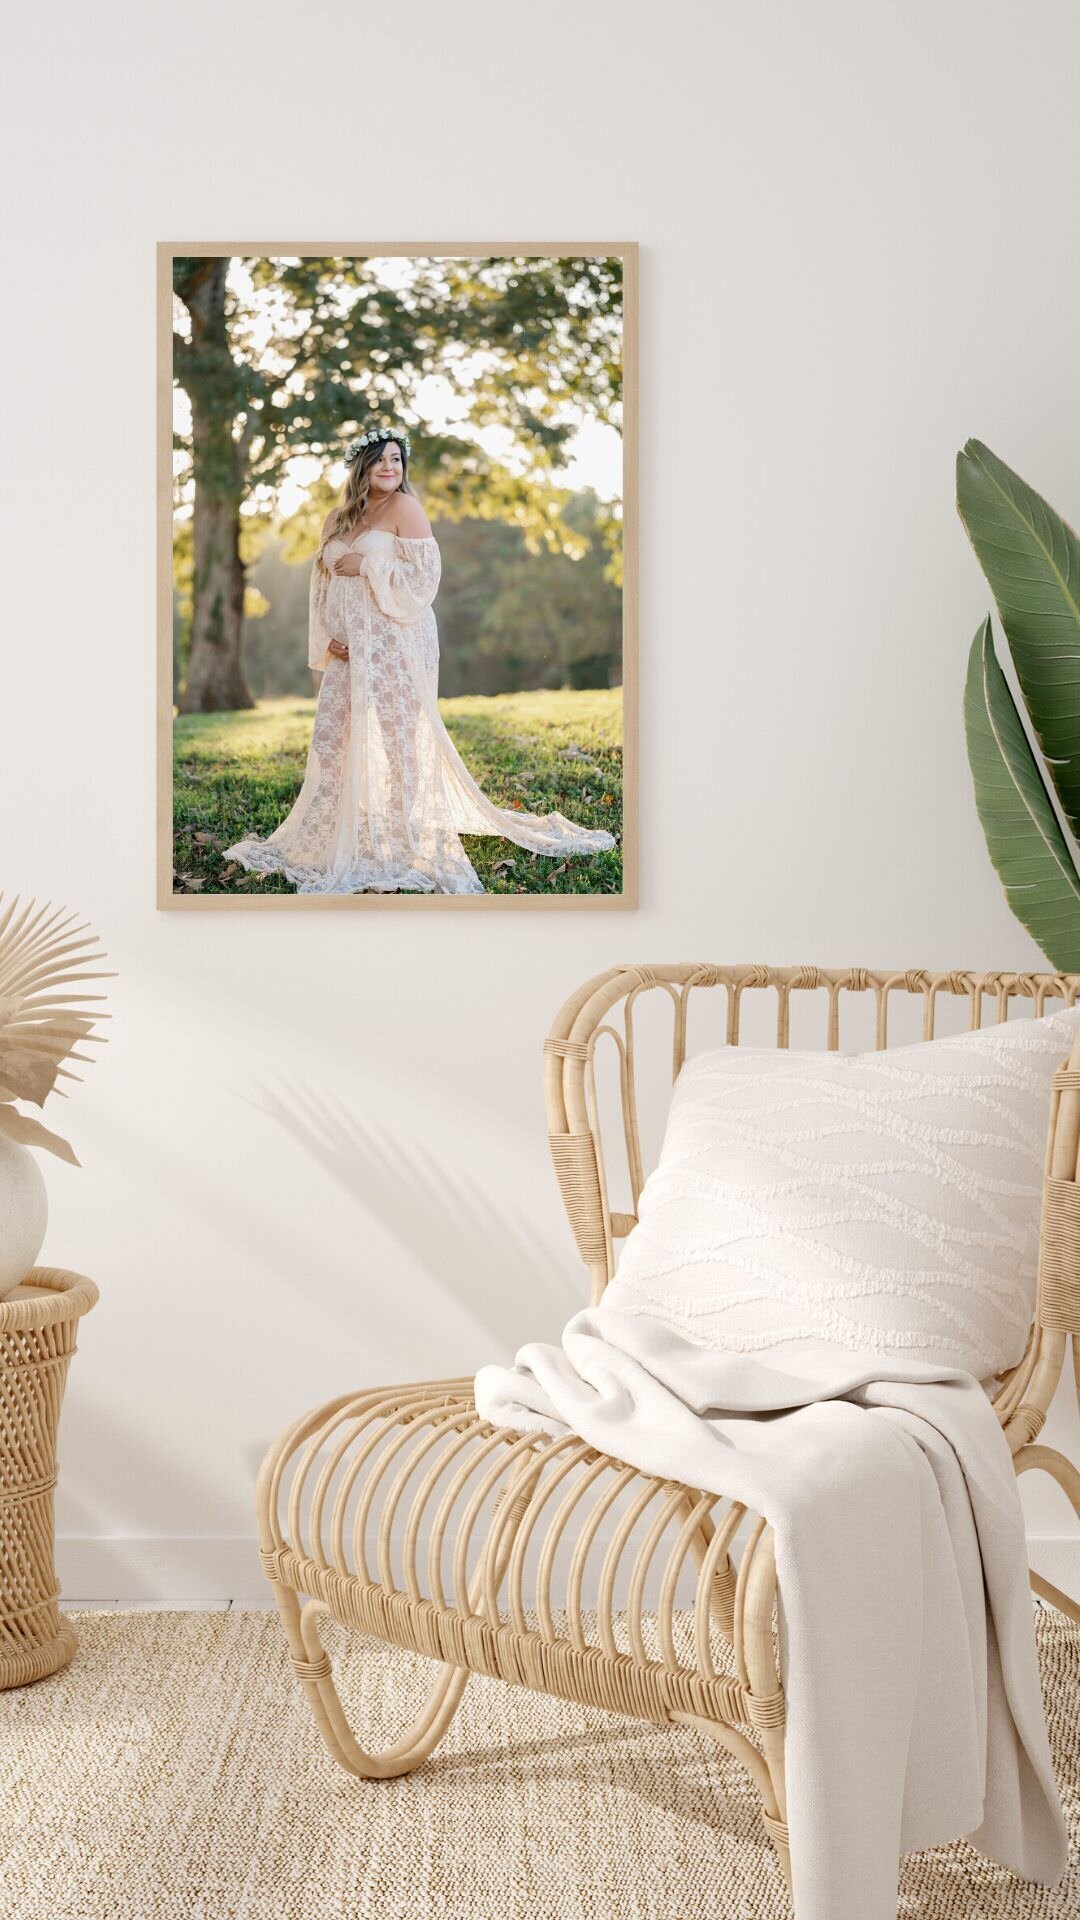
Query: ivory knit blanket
(833, 1259)
(914, 1712)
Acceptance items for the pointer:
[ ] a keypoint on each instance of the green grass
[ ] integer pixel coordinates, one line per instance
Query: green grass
(239, 773)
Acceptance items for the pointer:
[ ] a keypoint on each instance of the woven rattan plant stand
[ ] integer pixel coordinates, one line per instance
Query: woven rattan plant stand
(398, 1511)
(37, 1339)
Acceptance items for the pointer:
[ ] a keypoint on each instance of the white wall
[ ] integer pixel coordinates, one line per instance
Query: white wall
(314, 1149)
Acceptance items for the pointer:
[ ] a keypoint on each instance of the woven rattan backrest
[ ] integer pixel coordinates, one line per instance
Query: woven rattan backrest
(602, 1015)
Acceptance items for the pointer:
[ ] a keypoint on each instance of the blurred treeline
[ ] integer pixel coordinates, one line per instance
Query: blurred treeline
(278, 361)
(509, 620)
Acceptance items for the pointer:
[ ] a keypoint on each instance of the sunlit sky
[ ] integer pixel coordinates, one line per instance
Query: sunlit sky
(594, 453)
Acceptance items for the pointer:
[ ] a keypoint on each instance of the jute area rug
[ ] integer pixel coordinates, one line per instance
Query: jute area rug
(173, 1773)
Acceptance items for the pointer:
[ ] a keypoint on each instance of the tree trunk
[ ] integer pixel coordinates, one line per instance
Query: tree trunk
(215, 671)
(215, 678)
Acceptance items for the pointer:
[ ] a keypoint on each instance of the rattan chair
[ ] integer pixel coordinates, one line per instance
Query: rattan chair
(398, 1511)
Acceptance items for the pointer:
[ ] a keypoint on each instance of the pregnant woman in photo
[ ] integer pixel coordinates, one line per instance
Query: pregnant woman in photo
(386, 793)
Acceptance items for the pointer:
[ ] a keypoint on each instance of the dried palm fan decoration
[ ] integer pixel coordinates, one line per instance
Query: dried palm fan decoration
(41, 1027)
(44, 955)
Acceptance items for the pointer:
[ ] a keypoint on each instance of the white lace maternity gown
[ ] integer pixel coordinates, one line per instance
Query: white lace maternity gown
(386, 793)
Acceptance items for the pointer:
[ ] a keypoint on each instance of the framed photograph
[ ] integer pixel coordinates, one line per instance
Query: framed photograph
(397, 575)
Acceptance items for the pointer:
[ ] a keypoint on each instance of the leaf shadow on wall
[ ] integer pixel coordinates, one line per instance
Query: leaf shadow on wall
(447, 1220)
(118, 1461)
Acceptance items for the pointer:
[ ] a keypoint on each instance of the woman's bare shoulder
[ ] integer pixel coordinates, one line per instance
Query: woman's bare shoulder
(411, 522)
(328, 523)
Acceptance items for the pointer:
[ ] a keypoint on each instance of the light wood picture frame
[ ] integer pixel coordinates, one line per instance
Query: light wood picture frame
(500, 382)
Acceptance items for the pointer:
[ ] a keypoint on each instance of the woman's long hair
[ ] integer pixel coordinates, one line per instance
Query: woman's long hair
(358, 486)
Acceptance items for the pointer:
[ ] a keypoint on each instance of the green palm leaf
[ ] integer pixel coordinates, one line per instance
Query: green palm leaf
(1031, 558)
(1024, 838)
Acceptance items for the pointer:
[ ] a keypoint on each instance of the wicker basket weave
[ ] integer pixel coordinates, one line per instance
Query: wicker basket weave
(37, 1339)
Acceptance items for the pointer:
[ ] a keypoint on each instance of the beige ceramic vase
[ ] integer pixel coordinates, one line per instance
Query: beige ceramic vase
(24, 1213)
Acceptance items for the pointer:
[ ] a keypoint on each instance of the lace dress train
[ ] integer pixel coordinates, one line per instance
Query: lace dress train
(385, 793)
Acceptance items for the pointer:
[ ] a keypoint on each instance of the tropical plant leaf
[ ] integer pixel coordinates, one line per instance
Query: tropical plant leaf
(1023, 834)
(1031, 559)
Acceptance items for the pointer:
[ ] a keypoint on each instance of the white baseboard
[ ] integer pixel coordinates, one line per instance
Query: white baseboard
(222, 1567)
(164, 1568)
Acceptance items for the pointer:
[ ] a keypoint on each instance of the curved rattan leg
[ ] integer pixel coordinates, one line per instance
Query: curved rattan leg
(1068, 1478)
(755, 1600)
(311, 1665)
(749, 1757)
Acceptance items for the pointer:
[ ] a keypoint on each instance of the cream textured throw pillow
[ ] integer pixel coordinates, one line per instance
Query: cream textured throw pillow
(886, 1202)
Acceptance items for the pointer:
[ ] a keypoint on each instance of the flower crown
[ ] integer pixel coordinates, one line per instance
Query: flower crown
(368, 439)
